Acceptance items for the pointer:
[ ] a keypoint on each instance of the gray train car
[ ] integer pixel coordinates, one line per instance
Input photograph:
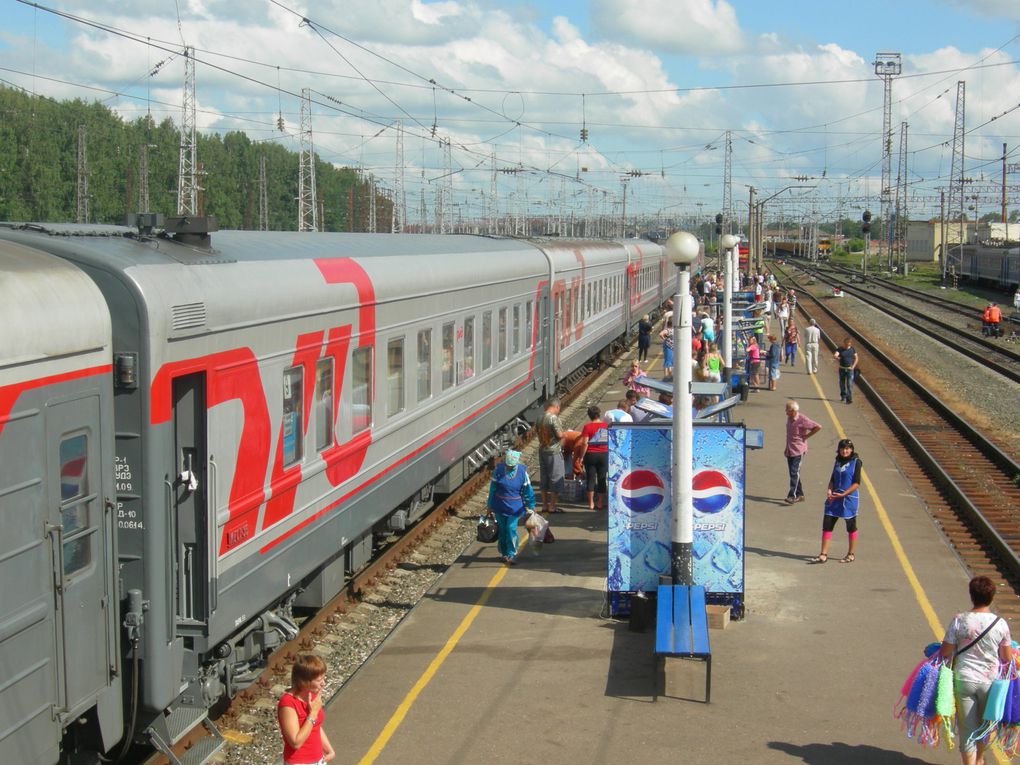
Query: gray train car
(281, 397)
(58, 603)
(997, 265)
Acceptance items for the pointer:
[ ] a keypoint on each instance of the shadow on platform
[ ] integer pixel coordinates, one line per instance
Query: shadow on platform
(838, 753)
(776, 553)
(631, 672)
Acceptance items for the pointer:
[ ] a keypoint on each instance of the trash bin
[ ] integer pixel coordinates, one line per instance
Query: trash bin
(640, 612)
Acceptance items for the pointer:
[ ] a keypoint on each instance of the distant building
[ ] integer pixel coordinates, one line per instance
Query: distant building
(924, 238)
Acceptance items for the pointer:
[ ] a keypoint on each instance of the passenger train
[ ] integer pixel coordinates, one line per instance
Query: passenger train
(199, 433)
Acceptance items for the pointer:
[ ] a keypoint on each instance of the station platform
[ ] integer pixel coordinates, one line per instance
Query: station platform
(522, 664)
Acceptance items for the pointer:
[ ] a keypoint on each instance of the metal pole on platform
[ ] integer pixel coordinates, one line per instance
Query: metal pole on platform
(728, 242)
(682, 248)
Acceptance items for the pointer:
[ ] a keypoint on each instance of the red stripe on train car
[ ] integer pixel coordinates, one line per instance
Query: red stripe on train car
(10, 393)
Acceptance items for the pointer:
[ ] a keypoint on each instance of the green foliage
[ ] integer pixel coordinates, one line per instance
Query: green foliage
(39, 170)
(855, 245)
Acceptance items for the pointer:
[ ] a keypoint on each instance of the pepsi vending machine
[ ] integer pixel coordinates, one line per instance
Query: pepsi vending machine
(640, 509)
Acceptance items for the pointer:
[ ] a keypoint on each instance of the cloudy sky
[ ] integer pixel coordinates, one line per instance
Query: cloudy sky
(656, 83)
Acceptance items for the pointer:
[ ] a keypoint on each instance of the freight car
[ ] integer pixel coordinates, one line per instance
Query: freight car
(198, 434)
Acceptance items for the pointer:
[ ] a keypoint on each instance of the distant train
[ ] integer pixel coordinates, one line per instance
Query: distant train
(198, 435)
(996, 265)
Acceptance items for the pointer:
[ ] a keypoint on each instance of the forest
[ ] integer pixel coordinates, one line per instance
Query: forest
(39, 170)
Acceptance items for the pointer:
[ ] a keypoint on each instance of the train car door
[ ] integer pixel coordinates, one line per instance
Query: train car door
(190, 522)
(77, 529)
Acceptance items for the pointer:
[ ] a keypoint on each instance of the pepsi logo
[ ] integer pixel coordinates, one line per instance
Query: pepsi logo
(642, 491)
(711, 491)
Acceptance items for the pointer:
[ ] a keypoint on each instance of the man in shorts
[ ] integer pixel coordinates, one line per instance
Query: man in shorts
(550, 455)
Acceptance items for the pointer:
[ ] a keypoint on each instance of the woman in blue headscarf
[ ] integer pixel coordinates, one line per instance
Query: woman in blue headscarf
(510, 494)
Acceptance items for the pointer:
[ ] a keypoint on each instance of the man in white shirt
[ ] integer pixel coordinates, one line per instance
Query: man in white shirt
(620, 414)
(812, 336)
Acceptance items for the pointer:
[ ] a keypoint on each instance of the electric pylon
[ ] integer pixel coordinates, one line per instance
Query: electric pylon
(308, 210)
(187, 168)
(902, 218)
(955, 257)
(398, 215)
(728, 185)
(263, 196)
(83, 179)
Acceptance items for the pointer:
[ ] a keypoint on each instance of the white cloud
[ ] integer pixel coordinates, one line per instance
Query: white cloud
(996, 9)
(698, 27)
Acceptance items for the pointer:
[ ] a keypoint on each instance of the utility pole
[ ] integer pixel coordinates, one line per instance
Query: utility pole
(623, 215)
(83, 179)
(1004, 184)
(728, 186)
(263, 196)
(753, 256)
(143, 178)
(902, 222)
(942, 232)
(371, 205)
(956, 201)
(187, 167)
(398, 216)
(887, 66)
(493, 199)
(308, 210)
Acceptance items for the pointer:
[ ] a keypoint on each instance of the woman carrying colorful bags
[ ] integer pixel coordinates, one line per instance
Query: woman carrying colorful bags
(979, 640)
(510, 493)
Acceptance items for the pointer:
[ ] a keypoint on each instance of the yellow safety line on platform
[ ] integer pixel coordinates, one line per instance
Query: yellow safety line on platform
(405, 706)
(901, 555)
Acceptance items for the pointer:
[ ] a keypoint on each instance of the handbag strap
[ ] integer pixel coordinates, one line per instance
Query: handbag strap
(975, 640)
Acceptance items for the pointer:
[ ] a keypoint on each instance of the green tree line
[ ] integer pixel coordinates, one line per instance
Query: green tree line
(39, 170)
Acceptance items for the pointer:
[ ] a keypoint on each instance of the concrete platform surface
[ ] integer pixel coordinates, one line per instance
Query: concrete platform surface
(522, 664)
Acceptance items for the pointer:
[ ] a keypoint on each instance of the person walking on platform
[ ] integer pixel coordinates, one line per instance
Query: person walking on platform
(976, 641)
(644, 338)
(753, 362)
(842, 500)
(812, 336)
(550, 455)
(594, 446)
(846, 355)
(510, 494)
(299, 714)
(798, 430)
(629, 379)
(791, 337)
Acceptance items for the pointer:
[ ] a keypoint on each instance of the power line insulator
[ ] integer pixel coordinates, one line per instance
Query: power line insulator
(584, 134)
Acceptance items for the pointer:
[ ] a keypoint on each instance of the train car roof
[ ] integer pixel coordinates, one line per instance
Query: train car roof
(35, 285)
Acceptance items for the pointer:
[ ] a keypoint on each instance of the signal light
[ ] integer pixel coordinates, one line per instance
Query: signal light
(866, 217)
(865, 228)
(718, 219)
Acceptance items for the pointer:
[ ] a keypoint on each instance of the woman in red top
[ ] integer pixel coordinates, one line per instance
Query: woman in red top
(300, 715)
(594, 445)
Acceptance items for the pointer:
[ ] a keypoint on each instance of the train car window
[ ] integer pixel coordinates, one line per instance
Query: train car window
(424, 364)
(587, 301)
(527, 323)
(486, 339)
(469, 347)
(575, 304)
(323, 404)
(74, 474)
(394, 376)
(605, 294)
(502, 334)
(293, 415)
(448, 350)
(517, 330)
(361, 389)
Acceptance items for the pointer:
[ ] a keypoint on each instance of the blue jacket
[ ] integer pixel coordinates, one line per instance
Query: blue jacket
(510, 490)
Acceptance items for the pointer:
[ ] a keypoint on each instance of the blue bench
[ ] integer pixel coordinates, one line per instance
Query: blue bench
(681, 631)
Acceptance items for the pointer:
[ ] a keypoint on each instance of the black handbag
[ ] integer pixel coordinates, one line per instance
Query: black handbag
(487, 530)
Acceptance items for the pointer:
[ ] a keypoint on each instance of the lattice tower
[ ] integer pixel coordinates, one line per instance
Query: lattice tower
(398, 217)
(493, 213)
(308, 210)
(263, 196)
(187, 167)
(444, 189)
(887, 66)
(902, 217)
(955, 255)
(83, 179)
(371, 205)
(143, 178)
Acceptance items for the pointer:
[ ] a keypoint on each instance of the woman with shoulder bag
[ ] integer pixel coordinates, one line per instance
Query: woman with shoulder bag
(510, 494)
(976, 641)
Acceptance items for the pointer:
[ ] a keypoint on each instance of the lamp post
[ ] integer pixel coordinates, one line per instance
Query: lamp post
(682, 248)
(728, 243)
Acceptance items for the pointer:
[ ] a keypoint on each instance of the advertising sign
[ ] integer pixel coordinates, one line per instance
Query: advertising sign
(640, 506)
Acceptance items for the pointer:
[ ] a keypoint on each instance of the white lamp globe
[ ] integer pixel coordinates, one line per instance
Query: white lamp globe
(729, 241)
(683, 248)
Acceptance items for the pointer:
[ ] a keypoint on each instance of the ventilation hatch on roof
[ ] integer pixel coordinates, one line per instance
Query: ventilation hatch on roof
(187, 316)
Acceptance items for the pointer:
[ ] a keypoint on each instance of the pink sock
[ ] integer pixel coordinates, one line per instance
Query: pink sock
(826, 536)
(853, 536)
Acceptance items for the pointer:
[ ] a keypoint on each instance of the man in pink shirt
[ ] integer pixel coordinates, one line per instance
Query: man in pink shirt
(798, 430)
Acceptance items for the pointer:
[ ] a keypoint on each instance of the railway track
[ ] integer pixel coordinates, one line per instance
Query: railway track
(409, 551)
(969, 485)
(993, 354)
